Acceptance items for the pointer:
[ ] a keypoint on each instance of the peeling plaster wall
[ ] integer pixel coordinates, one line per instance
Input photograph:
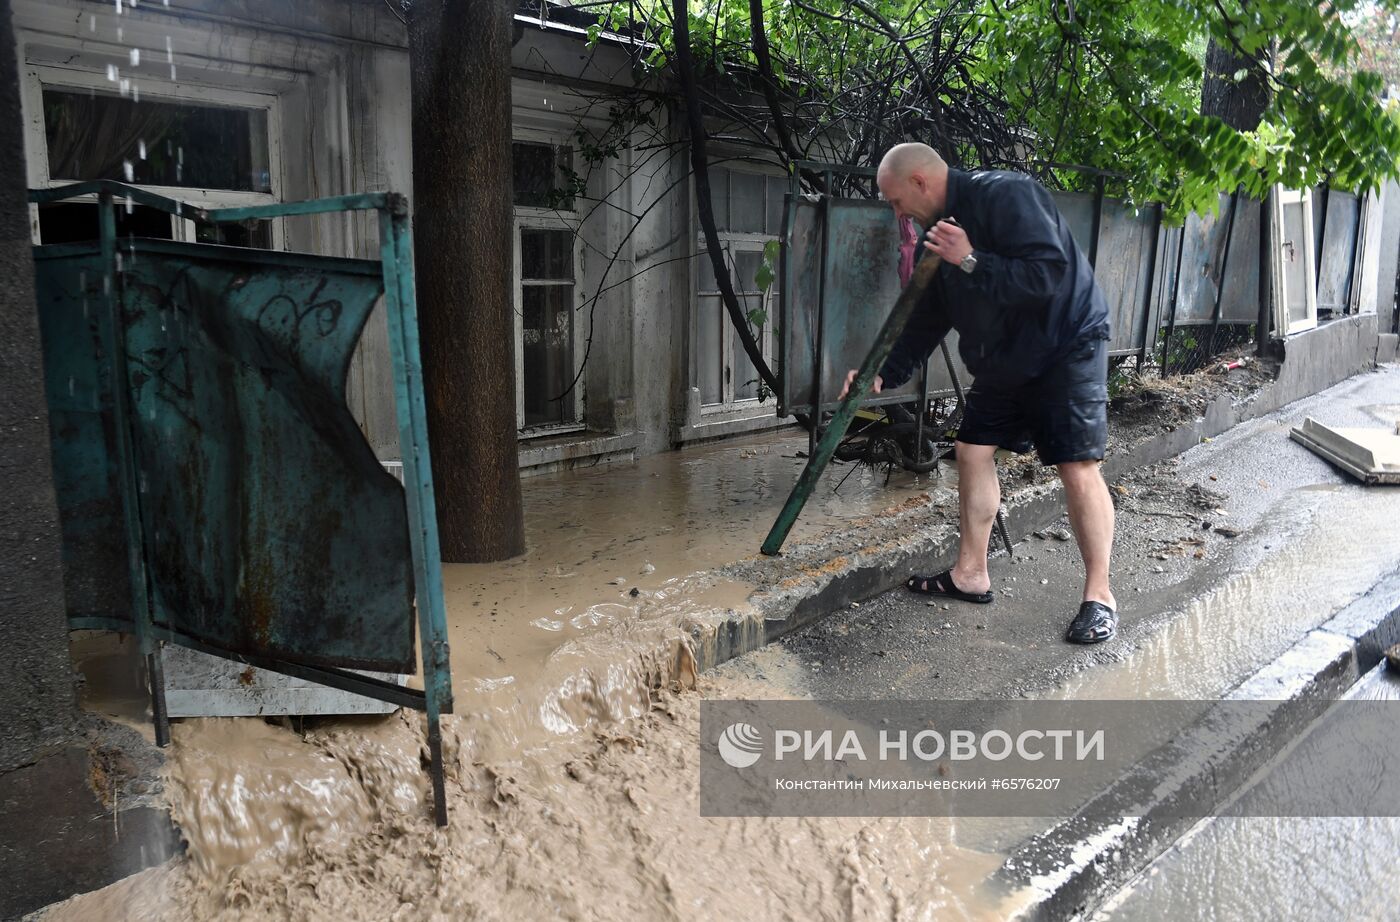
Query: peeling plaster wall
(339, 69)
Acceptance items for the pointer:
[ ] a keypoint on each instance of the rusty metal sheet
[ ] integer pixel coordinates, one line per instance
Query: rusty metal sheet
(270, 527)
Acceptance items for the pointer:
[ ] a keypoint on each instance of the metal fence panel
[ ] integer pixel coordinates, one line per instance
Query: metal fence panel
(1127, 249)
(1337, 252)
(270, 526)
(860, 287)
(1078, 211)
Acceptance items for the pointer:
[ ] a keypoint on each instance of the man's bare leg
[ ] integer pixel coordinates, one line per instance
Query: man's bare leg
(1091, 517)
(979, 497)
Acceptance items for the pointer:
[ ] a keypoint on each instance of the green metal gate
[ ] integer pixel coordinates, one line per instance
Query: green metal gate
(214, 489)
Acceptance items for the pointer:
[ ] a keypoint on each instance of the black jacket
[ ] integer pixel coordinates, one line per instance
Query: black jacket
(1031, 299)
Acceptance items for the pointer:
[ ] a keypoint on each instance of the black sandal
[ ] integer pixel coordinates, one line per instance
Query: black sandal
(943, 585)
(1095, 623)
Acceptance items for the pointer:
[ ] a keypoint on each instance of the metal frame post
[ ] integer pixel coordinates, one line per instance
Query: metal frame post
(127, 466)
(1176, 289)
(811, 474)
(812, 434)
(397, 257)
(1147, 332)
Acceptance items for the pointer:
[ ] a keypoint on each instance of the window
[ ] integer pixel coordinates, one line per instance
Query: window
(1295, 281)
(547, 264)
(748, 214)
(208, 147)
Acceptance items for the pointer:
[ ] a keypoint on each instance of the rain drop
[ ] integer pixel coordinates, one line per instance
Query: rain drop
(169, 50)
(136, 57)
(119, 7)
(128, 170)
(136, 92)
(172, 71)
(141, 149)
(92, 23)
(113, 73)
(125, 87)
(72, 387)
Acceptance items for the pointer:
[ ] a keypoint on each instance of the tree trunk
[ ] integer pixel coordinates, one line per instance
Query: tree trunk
(37, 694)
(460, 59)
(1240, 105)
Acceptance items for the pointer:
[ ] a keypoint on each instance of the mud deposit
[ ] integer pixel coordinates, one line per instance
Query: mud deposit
(334, 824)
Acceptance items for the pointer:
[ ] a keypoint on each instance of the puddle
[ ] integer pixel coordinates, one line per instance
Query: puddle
(1322, 548)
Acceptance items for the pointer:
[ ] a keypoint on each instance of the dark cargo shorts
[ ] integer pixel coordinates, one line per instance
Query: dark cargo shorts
(1064, 412)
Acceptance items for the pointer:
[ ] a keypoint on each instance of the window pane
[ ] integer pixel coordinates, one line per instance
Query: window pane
(546, 254)
(745, 268)
(745, 375)
(76, 222)
(259, 235)
(709, 352)
(548, 340)
(777, 188)
(543, 175)
(719, 197)
(1295, 265)
(746, 203)
(96, 136)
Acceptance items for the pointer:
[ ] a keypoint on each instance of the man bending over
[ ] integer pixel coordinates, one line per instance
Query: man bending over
(1032, 329)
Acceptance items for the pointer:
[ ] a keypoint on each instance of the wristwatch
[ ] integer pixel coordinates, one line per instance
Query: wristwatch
(969, 263)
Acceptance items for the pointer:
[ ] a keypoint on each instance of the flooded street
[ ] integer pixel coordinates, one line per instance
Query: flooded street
(332, 825)
(573, 764)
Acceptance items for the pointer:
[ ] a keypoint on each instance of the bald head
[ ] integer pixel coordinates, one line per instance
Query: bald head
(913, 178)
(903, 160)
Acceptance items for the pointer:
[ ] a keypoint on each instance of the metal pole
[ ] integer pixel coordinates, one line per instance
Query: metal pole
(924, 271)
(1098, 222)
(817, 364)
(127, 464)
(397, 263)
(1266, 274)
(1147, 290)
(1176, 288)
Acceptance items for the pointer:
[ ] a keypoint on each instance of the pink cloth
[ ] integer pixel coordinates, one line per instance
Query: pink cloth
(908, 244)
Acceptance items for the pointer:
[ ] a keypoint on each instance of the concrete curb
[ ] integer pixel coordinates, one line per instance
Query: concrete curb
(1314, 361)
(1069, 869)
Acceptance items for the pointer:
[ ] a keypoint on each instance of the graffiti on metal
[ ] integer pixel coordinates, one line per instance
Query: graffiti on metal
(214, 489)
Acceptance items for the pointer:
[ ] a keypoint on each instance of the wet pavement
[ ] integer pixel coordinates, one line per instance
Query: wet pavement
(1247, 868)
(1198, 610)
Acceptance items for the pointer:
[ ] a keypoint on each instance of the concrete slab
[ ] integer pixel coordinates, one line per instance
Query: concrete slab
(1370, 455)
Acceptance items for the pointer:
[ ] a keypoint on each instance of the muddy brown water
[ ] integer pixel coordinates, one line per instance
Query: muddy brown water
(573, 770)
(332, 825)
